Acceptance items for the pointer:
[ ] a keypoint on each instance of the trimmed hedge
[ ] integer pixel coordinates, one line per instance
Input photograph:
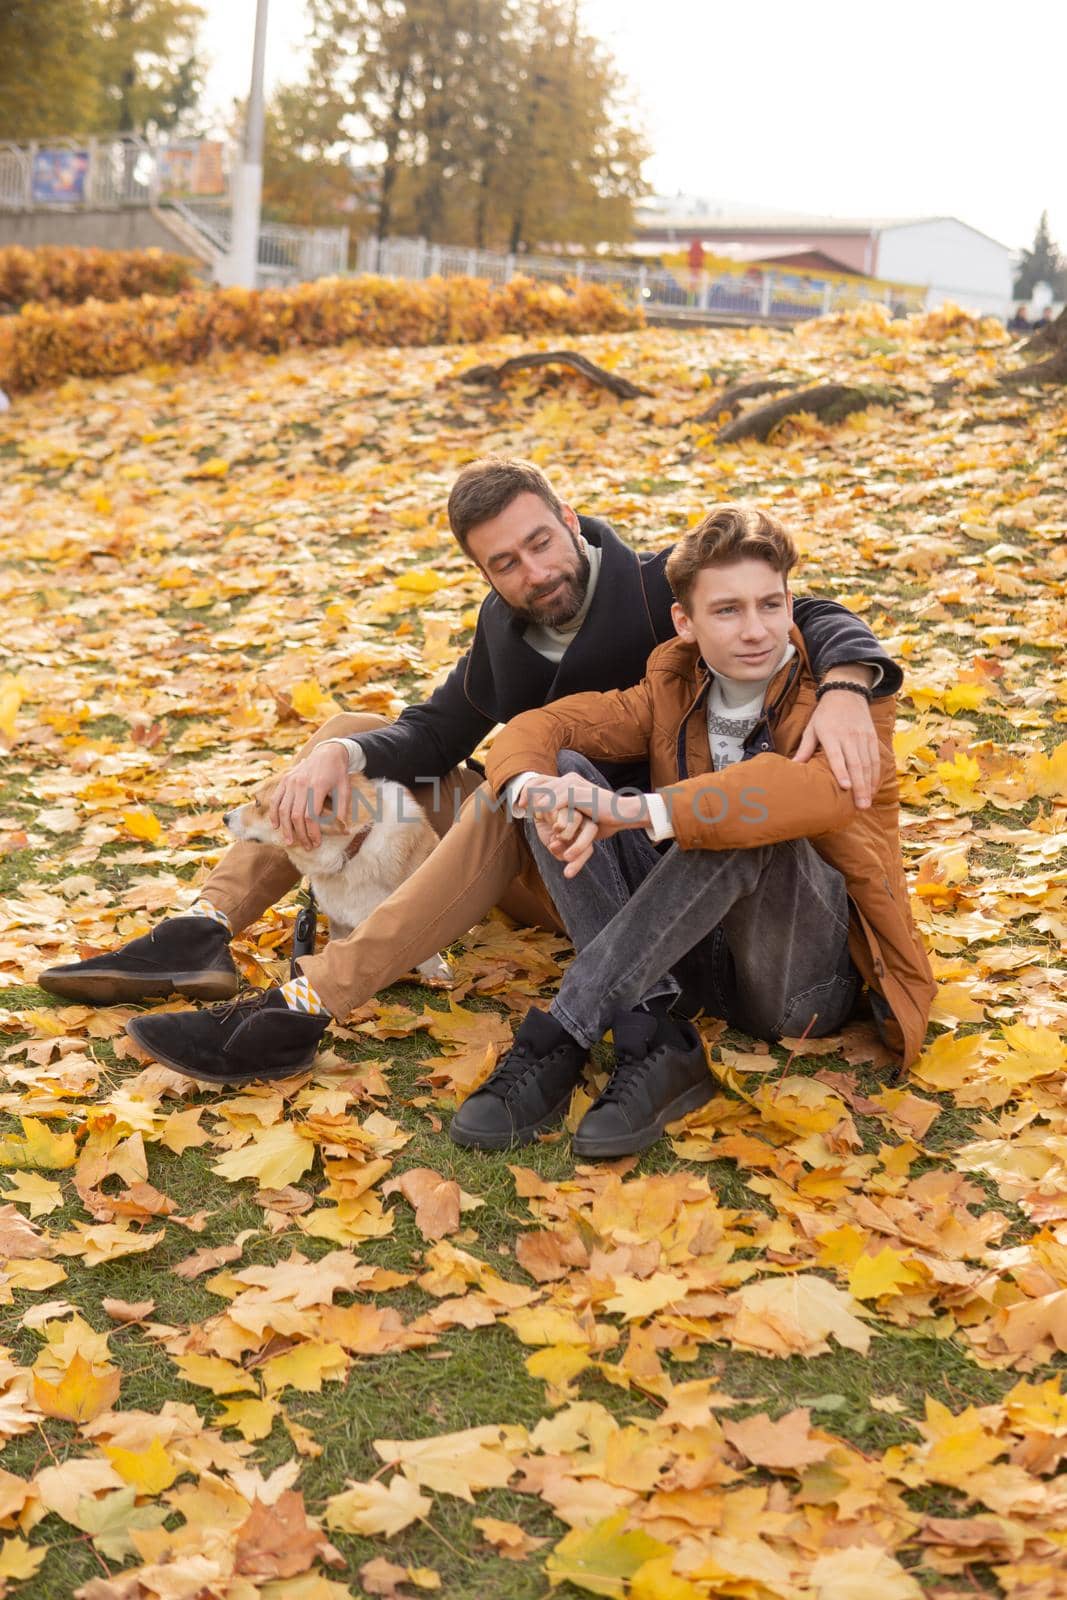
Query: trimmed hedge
(41, 347)
(62, 275)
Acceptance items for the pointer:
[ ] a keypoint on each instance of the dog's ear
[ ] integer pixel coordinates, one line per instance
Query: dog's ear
(261, 794)
(328, 820)
(364, 798)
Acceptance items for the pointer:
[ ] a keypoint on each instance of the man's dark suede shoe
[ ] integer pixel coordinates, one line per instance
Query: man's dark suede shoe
(183, 955)
(254, 1039)
(529, 1090)
(660, 1073)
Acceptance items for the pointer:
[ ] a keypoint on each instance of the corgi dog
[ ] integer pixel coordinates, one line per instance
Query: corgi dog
(358, 864)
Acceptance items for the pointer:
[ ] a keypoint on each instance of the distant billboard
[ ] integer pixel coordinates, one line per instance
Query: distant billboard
(192, 168)
(59, 176)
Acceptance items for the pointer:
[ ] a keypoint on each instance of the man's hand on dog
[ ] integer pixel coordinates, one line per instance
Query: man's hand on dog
(571, 814)
(300, 798)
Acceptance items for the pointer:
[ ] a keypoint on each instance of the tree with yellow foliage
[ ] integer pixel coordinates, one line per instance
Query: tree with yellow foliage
(496, 123)
(74, 67)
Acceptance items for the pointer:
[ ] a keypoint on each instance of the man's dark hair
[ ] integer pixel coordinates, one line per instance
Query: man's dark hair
(487, 487)
(728, 534)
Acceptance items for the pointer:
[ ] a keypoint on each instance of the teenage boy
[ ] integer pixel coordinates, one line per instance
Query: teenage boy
(749, 885)
(571, 607)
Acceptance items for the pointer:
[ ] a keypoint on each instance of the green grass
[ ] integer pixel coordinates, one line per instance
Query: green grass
(479, 1377)
(468, 1378)
(421, 1393)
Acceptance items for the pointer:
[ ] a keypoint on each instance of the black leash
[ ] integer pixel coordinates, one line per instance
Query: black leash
(303, 933)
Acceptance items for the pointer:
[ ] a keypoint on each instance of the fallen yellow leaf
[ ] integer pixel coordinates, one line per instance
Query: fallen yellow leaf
(11, 693)
(377, 1508)
(884, 1273)
(311, 703)
(150, 1471)
(143, 825)
(274, 1157)
(19, 1560)
(305, 1367)
(38, 1147)
(81, 1393)
(211, 1372)
(39, 1195)
(603, 1558)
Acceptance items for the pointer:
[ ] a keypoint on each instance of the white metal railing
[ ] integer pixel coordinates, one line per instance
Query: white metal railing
(289, 254)
(66, 174)
(286, 253)
(213, 225)
(188, 177)
(754, 292)
(15, 173)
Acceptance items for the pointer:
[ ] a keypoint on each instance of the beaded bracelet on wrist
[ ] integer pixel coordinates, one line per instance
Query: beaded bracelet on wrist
(840, 683)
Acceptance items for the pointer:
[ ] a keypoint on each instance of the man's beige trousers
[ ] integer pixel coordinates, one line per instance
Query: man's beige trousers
(482, 861)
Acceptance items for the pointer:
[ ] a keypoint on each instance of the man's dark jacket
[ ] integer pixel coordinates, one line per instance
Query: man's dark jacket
(502, 675)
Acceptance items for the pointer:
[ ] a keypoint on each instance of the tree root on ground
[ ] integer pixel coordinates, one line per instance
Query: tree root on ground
(730, 399)
(1054, 370)
(833, 401)
(620, 387)
(1050, 342)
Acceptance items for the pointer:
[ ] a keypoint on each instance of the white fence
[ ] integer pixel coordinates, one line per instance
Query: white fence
(297, 255)
(186, 177)
(749, 293)
(286, 254)
(87, 174)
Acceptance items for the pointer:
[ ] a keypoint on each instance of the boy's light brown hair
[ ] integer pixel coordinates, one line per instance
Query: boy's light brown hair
(728, 534)
(487, 487)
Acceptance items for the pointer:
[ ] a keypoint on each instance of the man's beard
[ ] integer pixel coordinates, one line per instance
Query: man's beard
(567, 603)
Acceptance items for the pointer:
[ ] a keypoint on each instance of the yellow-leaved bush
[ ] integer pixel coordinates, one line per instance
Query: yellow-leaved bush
(44, 346)
(62, 275)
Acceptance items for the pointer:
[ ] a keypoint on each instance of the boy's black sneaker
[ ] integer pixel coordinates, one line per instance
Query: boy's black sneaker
(661, 1073)
(528, 1091)
(254, 1039)
(183, 955)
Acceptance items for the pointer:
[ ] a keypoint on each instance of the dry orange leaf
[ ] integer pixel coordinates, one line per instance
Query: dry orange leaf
(507, 1538)
(438, 1201)
(783, 1446)
(80, 1394)
(278, 1541)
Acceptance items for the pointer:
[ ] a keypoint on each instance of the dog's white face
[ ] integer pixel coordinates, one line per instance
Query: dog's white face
(350, 884)
(252, 822)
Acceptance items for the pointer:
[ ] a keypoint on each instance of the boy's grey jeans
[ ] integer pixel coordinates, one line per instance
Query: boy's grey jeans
(758, 937)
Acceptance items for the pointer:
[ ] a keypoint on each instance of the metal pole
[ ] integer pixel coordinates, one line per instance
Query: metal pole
(239, 267)
(765, 294)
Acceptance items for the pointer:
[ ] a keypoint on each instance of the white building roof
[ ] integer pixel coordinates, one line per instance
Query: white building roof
(686, 213)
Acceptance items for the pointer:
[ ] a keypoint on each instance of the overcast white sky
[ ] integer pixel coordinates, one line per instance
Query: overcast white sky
(844, 107)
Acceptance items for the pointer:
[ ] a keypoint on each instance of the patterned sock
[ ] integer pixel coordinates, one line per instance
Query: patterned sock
(300, 996)
(204, 908)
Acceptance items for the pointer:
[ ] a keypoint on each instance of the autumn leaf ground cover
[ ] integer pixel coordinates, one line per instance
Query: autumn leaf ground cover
(58, 275)
(46, 342)
(290, 1341)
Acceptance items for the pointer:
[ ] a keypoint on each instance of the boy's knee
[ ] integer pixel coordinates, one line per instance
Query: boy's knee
(572, 761)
